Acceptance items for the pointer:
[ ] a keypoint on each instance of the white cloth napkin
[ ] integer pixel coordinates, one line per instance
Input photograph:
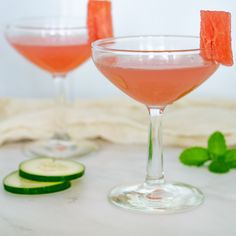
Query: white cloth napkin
(187, 122)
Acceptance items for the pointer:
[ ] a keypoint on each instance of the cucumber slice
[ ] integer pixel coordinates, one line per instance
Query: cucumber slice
(15, 184)
(51, 169)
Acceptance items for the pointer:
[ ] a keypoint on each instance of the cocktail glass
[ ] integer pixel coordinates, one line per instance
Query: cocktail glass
(156, 71)
(57, 45)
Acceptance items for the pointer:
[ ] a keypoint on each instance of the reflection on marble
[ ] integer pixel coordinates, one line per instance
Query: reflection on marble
(84, 209)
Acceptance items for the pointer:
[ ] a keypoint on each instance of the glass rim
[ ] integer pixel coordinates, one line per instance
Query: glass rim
(21, 23)
(97, 45)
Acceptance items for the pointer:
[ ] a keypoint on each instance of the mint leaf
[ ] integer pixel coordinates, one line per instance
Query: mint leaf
(217, 145)
(194, 156)
(219, 167)
(230, 158)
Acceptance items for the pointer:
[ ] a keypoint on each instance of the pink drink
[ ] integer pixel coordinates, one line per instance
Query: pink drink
(54, 55)
(155, 82)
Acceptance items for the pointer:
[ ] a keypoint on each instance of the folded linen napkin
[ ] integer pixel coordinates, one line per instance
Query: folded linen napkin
(187, 122)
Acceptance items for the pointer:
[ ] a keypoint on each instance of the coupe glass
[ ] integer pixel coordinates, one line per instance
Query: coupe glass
(156, 71)
(57, 45)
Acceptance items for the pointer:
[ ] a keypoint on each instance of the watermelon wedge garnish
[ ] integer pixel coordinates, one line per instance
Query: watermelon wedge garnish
(215, 37)
(99, 19)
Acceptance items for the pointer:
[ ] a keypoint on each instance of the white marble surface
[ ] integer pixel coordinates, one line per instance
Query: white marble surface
(84, 209)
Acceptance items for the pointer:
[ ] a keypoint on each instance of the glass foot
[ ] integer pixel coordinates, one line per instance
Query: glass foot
(59, 148)
(164, 198)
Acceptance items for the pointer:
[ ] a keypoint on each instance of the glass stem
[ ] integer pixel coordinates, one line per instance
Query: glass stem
(155, 173)
(60, 103)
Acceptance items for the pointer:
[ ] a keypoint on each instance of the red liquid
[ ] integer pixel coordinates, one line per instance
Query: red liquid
(155, 82)
(57, 57)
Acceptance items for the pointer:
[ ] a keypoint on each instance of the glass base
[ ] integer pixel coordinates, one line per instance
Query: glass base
(164, 198)
(59, 148)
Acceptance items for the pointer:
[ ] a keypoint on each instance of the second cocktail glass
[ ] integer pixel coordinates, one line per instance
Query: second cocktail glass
(57, 45)
(156, 71)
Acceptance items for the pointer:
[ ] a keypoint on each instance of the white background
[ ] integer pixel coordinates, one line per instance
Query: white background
(19, 78)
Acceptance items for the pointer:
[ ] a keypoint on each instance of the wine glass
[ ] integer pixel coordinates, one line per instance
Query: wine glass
(57, 45)
(156, 71)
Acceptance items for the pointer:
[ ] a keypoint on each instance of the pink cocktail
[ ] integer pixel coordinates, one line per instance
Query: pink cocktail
(156, 71)
(55, 55)
(57, 45)
(155, 83)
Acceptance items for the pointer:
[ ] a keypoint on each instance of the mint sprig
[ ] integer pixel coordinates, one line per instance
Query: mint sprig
(217, 156)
